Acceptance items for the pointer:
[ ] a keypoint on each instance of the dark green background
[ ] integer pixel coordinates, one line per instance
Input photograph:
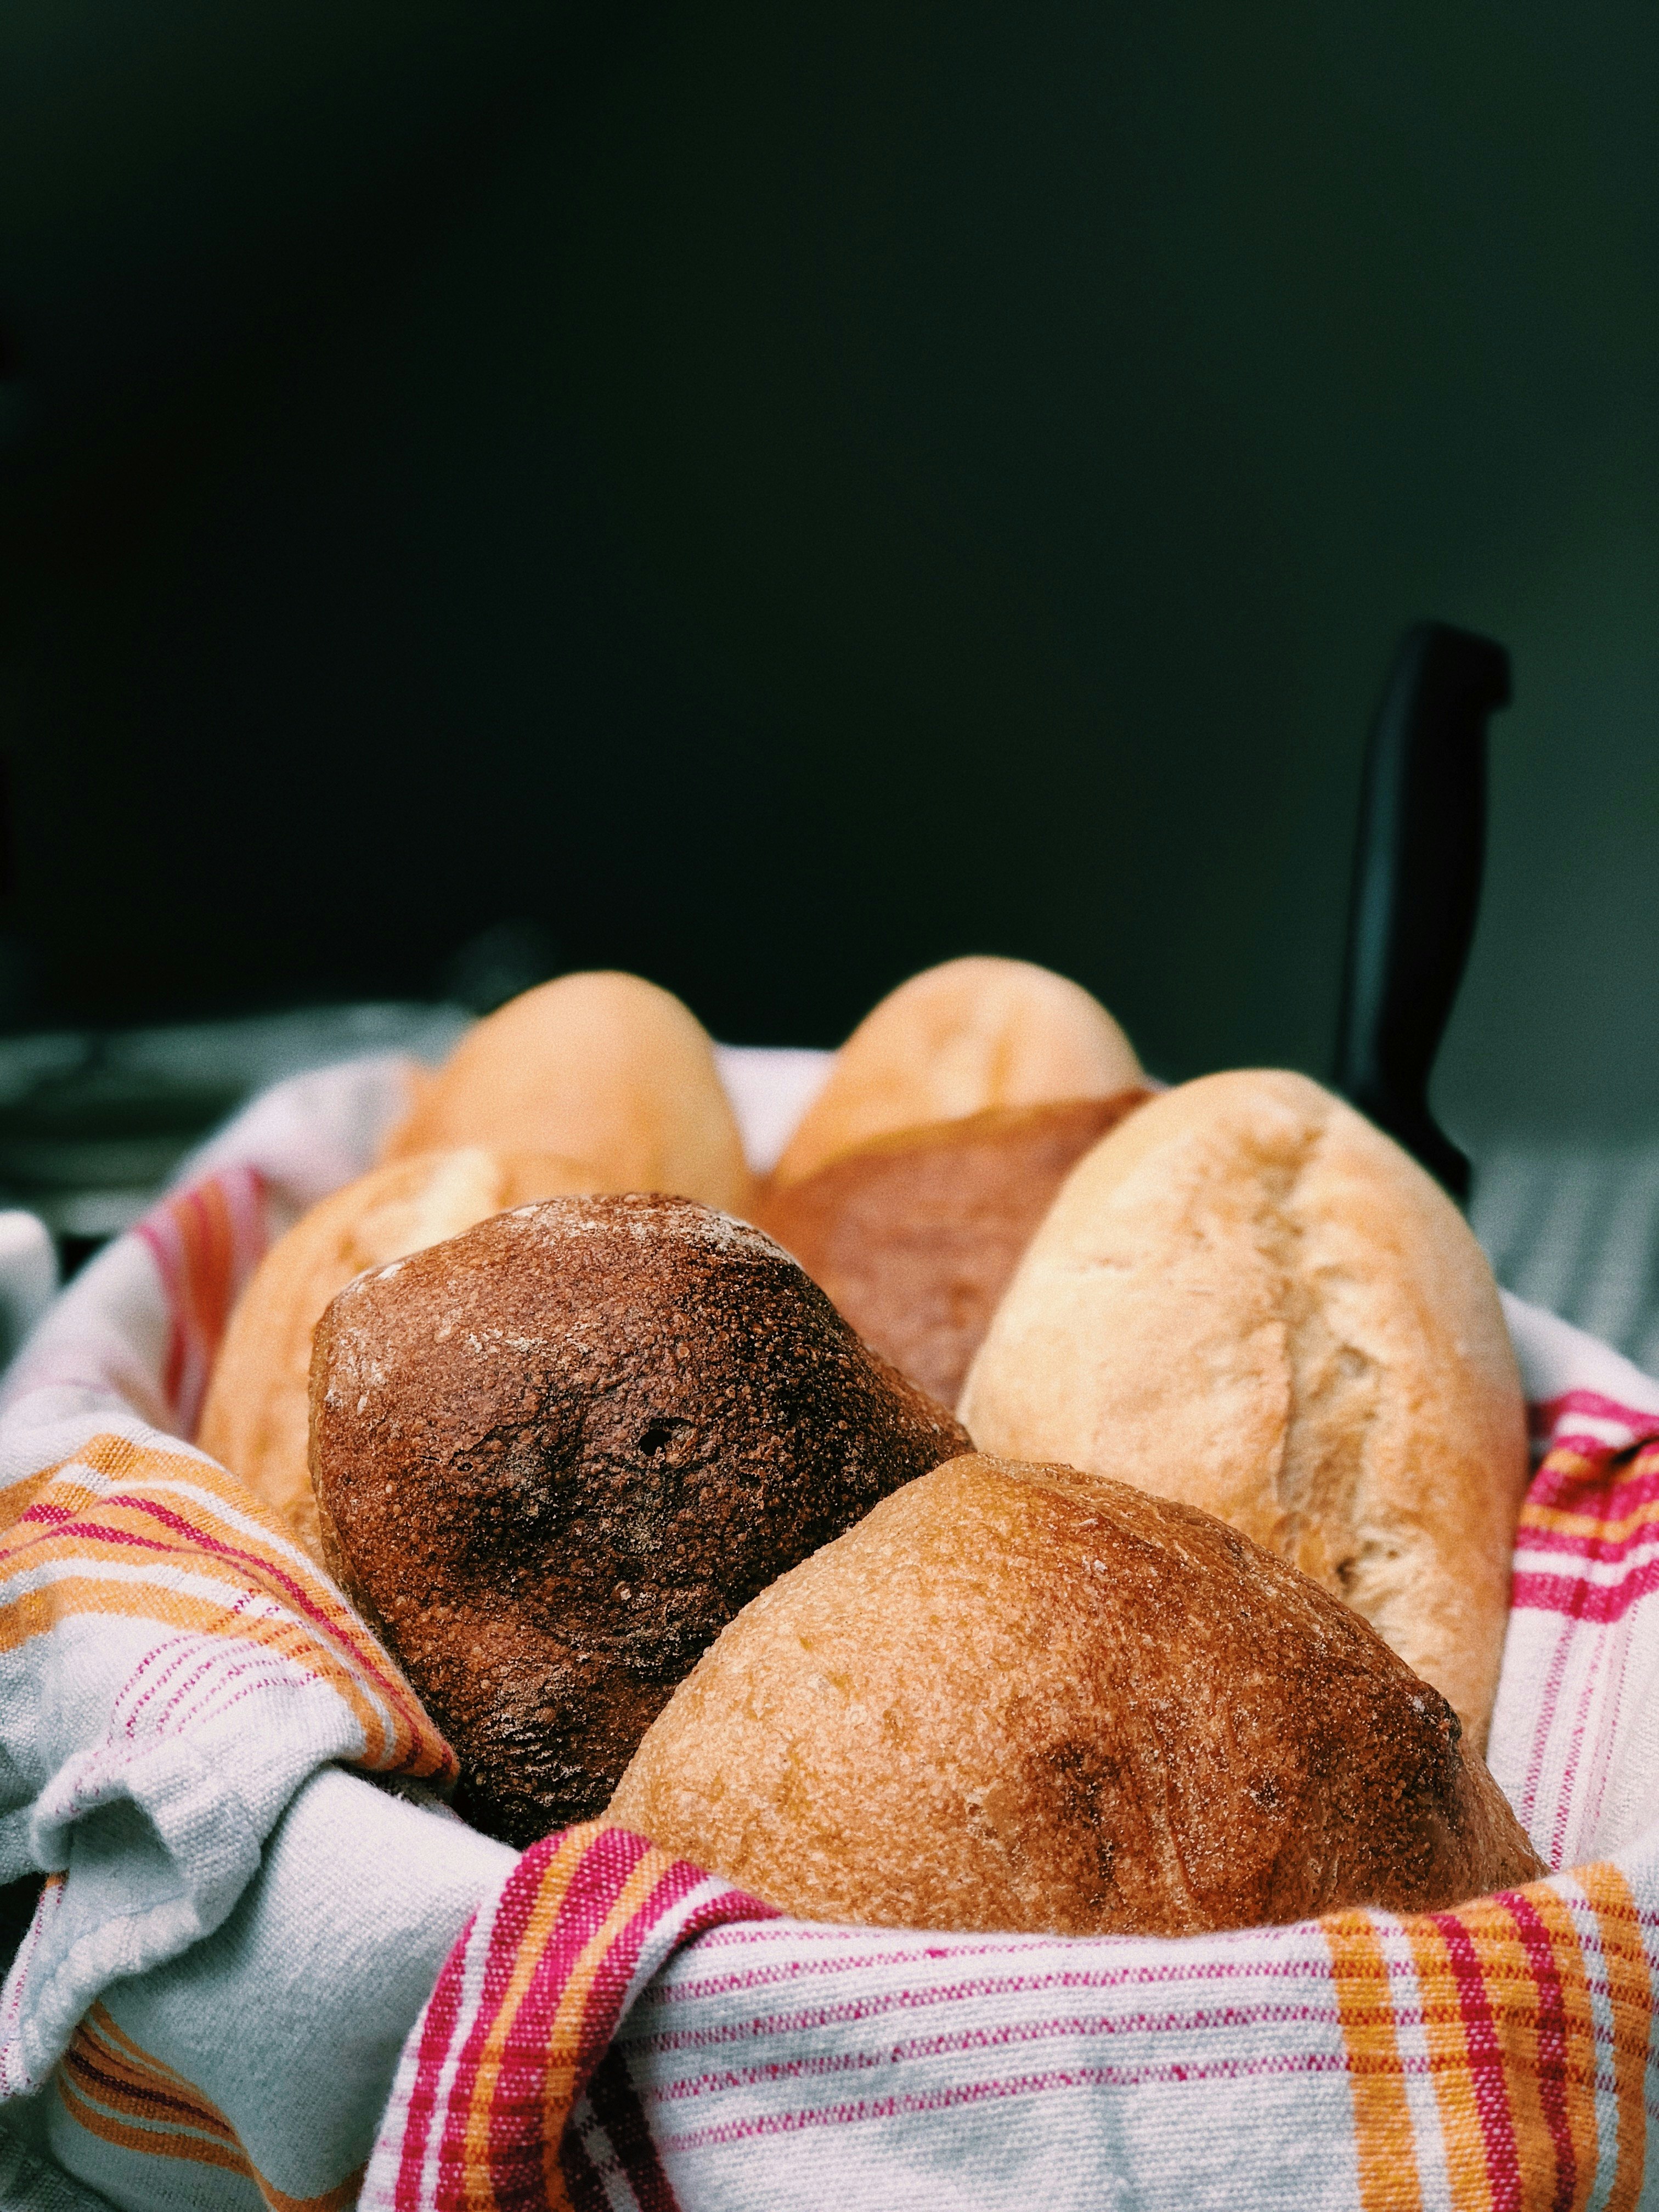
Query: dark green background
(785, 495)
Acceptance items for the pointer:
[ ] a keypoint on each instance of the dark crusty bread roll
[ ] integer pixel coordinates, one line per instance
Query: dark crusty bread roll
(955, 1040)
(605, 1069)
(555, 1456)
(256, 1414)
(914, 1236)
(1247, 1298)
(1028, 1698)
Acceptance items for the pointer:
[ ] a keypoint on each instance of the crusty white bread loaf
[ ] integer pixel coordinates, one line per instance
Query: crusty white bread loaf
(1024, 1697)
(606, 1069)
(1249, 1298)
(255, 1415)
(956, 1040)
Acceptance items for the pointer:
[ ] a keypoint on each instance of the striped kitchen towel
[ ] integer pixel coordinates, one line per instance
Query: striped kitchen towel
(1498, 2056)
(259, 1977)
(250, 1882)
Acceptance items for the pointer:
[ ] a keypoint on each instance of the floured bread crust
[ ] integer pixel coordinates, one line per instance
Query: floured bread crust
(1247, 1298)
(956, 1040)
(254, 1419)
(555, 1456)
(602, 1068)
(1026, 1698)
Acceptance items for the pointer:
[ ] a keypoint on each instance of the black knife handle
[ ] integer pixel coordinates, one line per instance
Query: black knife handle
(1417, 883)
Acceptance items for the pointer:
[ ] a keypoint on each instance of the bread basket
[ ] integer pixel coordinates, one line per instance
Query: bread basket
(266, 1966)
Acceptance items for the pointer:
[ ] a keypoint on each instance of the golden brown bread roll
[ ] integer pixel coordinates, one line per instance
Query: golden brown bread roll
(606, 1069)
(557, 1454)
(253, 1421)
(1249, 1298)
(914, 1236)
(1024, 1697)
(956, 1040)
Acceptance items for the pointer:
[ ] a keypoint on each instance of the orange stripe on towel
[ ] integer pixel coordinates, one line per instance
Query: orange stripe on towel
(1385, 2142)
(118, 2091)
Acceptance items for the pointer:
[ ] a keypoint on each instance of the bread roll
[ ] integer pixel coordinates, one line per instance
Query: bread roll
(955, 1040)
(556, 1455)
(1249, 1298)
(601, 1068)
(1023, 1698)
(254, 1417)
(914, 1236)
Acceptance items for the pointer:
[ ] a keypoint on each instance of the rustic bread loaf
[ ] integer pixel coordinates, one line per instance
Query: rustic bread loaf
(914, 1236)
(1249, 1298)
(956, 1040)
(555, 1456)
(605, 1069)
(257, 1405)
(1028, 1699)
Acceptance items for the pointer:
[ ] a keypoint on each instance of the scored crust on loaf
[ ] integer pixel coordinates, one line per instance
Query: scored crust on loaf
(1028, 1699)
(604, 1068)
(1249, 1298)
(555, 1456)
(914, 1236)
(255, 1416)
(957, 1040)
